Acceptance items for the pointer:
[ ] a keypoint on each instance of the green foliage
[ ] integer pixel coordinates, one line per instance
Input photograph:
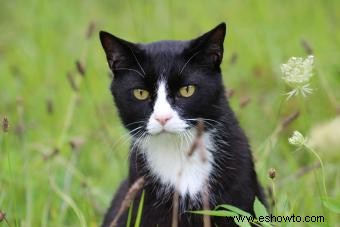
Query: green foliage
(140, 210)
(233, 208)
(259, 208)
(70, 131)
(128, 223)
(226, 210)
(332, 204)
(217, 213)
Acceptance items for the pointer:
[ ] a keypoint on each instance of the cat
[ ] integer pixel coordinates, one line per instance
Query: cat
(161, 90)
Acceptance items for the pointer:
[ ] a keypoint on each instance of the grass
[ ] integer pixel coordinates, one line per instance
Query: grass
(46, 182)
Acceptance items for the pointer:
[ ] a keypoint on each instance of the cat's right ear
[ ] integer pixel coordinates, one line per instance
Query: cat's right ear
(209, 46)
(119, 53)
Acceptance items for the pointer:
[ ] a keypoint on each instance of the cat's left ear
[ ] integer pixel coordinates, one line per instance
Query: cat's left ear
(209, 46)
(119, 52)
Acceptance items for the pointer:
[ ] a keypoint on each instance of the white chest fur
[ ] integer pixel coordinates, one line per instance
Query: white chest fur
(167, 158)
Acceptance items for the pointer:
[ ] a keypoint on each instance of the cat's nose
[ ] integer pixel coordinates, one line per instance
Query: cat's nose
(163, 119)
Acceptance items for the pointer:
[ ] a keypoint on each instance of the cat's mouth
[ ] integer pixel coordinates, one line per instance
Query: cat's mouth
(164, 131)
(174, 126)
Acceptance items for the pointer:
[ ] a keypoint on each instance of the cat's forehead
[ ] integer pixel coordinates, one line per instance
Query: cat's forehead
(163, 59)
(165, 47)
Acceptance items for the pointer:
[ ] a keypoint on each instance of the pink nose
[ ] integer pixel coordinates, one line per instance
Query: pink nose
(163, 119)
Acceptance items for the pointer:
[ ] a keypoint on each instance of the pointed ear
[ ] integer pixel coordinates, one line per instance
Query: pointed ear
(119, 53)
(209, 46)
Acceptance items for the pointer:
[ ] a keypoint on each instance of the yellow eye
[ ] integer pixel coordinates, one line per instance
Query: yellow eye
(141, 94)
(187, 91)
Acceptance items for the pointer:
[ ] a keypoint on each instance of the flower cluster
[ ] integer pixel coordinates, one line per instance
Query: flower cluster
(297, 139)
(297, 73)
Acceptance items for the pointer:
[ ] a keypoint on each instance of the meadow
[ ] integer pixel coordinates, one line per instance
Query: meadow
(63, 151)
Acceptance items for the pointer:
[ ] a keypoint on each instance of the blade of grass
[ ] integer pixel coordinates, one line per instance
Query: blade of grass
(128, 223)
(140, 210)
(67, 199)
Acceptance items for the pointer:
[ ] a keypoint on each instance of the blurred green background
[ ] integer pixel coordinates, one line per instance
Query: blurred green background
(65, 151)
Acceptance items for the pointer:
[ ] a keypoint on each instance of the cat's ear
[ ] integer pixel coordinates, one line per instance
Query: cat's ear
(119, 53)
(209, 46)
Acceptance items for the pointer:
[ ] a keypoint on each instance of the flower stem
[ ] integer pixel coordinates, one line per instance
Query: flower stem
(322, 168)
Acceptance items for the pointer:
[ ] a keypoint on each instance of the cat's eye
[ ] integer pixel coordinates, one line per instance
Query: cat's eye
(187, 91)
(141, 94)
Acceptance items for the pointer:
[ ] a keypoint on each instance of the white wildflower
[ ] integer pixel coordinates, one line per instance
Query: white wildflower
(297, 73)
(297, 139)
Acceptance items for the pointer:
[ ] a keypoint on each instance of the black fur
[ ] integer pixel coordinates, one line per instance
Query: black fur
(181, 63)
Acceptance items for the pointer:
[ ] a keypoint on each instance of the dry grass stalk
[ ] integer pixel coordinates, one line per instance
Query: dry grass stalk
(204, 158)
(49, 106)
(244, 101)
(55, 152)
(175, 202)
(206, 206)
(90, 30)
(72, 82)
(197, 143)
(307, 47)
(289, 119)
(5, 124)
(229, 93)
(20, 128)
(80, 68)
(129, 197)
(3, 218)
(197, 146)
(233, 58)
(76, 143)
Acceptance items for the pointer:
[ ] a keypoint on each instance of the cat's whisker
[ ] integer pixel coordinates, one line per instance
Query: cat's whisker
(131, 134)
(140, 66)
(133, 70)
(187, 62)
(206, 121)
(139, 139)
(136, 122)
(187, 139)
(125, 137)
(182, 135)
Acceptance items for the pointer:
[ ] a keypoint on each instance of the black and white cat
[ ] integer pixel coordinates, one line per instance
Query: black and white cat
(161, 89)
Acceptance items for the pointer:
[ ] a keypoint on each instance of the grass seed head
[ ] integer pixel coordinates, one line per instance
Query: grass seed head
(307, 47)
(90, 30)
(49, 106)
(5, 124)
(80, 68)
(272, 173)
(2, 216)
(72, 81)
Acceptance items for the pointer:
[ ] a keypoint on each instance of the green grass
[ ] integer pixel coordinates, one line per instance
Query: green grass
(40, 42)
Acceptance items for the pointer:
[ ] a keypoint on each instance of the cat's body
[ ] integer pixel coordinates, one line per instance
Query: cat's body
(161, 90)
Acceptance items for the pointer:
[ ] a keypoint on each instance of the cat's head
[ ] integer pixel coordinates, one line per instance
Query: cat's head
(164, 87)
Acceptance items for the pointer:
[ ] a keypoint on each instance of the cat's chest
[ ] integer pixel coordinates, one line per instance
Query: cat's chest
(168, 160)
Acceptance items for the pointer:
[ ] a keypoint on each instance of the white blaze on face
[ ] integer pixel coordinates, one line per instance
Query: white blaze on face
(166, 149)
(164, 117)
